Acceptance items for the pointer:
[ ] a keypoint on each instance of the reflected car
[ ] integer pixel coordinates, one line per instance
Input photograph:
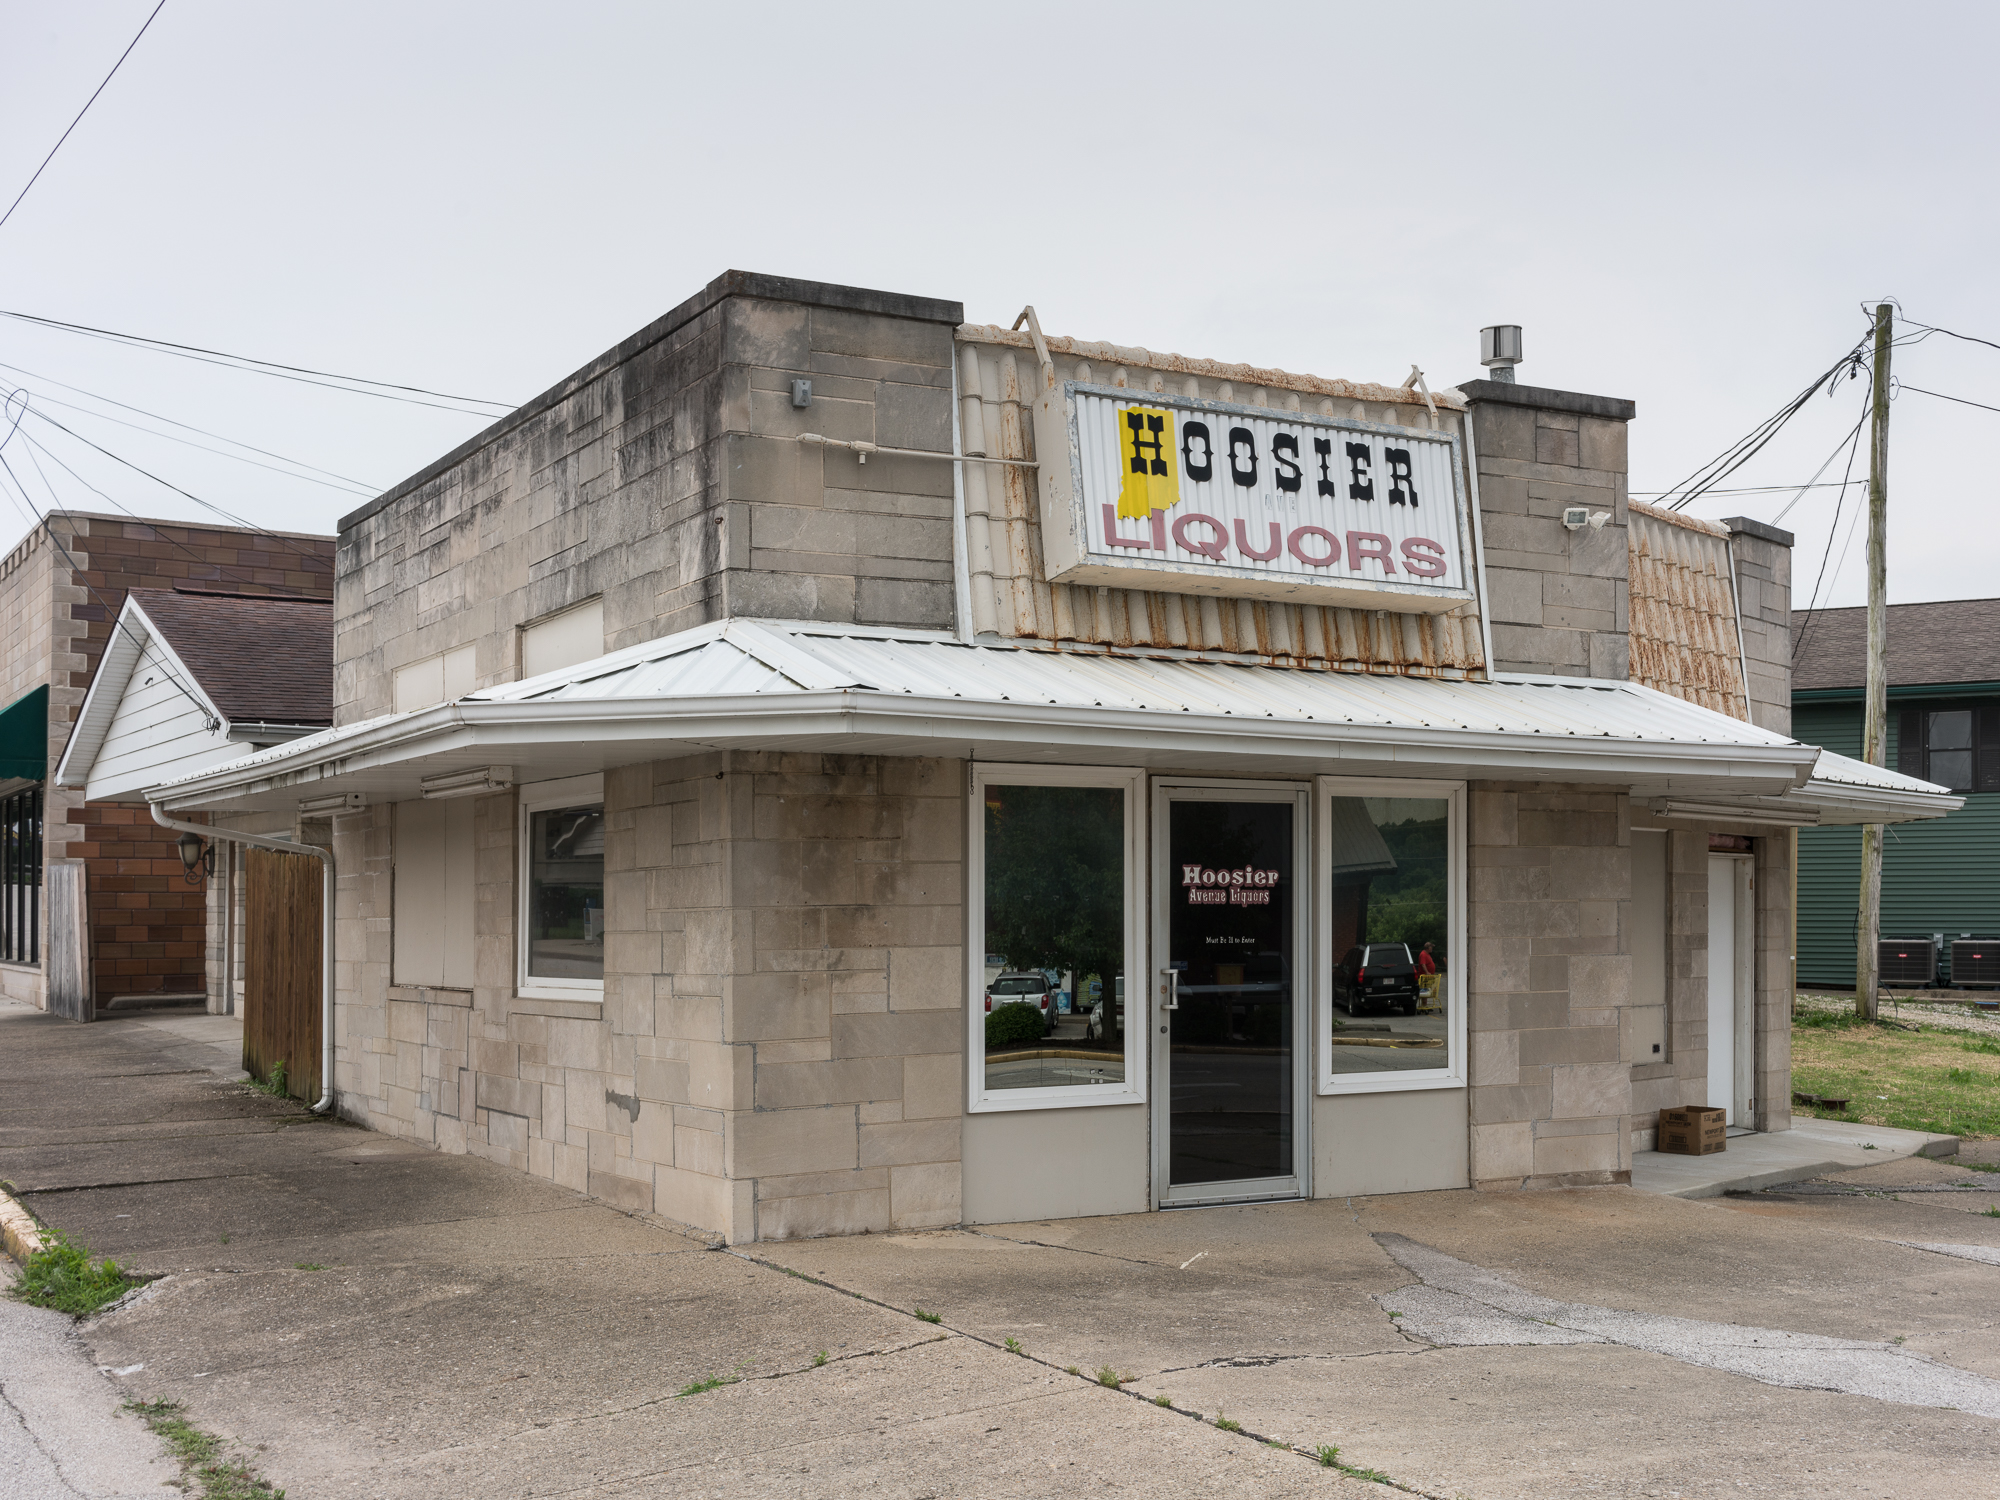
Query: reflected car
(1024, 987)
(1381, 976)
(1098, 1019)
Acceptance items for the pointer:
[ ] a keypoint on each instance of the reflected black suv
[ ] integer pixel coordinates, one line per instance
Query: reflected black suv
(1379, 975)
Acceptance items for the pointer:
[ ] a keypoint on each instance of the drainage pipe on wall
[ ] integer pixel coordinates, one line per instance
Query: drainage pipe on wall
(325, 857)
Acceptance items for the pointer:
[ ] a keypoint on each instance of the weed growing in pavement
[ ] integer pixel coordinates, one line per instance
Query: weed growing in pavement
(1328, 1455)
(205, 1470)
(60, 1275)
(711, 1383)
(1012, 1346)
(307, 1265)
(819, 1359)
(1163, 1400)
(1071, 1370)
(1106, 1376)
(927, 1317)
(1978, 1166)
(1992, 1213)
(276, 1086)
(1870, 1146)
(1226, 1424)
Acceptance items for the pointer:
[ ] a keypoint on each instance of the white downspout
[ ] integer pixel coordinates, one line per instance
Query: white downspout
(325, 856)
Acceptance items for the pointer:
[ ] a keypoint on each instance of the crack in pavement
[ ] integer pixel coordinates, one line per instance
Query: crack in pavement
(1455, 1303)
(1983, 1254)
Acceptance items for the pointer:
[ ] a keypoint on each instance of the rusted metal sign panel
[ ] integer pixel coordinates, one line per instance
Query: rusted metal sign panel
(1149, 490)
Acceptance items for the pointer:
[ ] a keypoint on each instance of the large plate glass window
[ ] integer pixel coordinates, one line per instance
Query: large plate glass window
(1391, 955)
(562, 889)
(1055, 911)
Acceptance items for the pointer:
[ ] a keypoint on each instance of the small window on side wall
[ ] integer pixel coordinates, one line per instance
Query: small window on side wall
(1054, 943)
(562, 890)
(1391, 868)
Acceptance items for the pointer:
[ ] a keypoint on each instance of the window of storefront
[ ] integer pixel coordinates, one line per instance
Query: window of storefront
(562, 890)
(1054, 945)
(1391, 897)
(21, 877)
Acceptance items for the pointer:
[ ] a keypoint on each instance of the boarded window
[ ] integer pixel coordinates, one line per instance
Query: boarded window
(563, 640)
(434, 893)
(435, 679)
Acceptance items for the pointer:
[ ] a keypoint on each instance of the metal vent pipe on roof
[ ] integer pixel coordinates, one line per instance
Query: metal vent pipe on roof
(1500, 350)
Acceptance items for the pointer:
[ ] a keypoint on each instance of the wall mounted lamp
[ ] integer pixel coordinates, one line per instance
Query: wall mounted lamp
(197, 858)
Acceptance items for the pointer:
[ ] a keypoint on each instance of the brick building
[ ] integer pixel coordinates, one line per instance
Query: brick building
(827, 765)
(61, 591)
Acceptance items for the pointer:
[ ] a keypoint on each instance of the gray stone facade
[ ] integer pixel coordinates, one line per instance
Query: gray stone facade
(664, 479)
(1764, 610)
(1558, 597)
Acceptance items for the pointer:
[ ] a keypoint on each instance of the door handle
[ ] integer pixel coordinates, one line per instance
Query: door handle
(1170, 992)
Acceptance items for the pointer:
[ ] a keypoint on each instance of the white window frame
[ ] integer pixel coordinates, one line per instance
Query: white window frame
(1452, 1076)
(540, 796)
(980, 1099)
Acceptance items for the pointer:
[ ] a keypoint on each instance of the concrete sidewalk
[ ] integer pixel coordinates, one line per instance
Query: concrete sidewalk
(377, 1320)
(1811, 1148)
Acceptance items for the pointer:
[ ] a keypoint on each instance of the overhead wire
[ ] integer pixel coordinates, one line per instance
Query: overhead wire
(285, 591)
(359, 484)
(356, 385)
(38, 521)
(1943, 397)
(81, 113)
(1799, 640)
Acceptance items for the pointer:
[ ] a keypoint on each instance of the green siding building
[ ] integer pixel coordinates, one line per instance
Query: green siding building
(1940, 877)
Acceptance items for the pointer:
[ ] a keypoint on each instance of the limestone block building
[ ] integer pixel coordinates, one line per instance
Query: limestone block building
(829, 765)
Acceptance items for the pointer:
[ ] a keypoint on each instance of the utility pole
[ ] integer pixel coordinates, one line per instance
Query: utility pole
(1875, 721)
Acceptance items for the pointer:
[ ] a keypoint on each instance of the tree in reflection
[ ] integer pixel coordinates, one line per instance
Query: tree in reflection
(1055, 880)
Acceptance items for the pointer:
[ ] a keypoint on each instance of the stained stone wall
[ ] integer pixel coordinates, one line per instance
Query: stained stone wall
(1550, 872)
(779, 1051)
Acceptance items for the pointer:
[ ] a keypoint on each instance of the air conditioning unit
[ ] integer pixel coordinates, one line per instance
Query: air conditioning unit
(1907, 961)
(1975, 962)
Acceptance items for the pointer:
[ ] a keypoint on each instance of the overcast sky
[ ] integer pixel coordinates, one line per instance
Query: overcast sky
(1686, 205)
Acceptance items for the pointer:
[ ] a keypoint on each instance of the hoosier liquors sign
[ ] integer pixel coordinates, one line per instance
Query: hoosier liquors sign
(1142, 490)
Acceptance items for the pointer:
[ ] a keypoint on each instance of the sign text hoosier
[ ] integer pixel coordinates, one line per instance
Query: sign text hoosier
(1239, 500)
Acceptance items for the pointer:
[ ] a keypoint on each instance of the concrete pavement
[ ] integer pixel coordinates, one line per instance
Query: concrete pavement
(476, 1332)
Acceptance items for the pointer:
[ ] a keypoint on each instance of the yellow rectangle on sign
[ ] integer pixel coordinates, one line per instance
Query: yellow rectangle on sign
(1148, 461)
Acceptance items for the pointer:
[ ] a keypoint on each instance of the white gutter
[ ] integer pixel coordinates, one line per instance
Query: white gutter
(325, 857)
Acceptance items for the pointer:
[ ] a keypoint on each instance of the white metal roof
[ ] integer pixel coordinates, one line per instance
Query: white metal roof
(747, 684)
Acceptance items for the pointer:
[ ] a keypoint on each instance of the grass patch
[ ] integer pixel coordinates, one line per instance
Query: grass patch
(206, 1470)
(1928, 1079)
(1012, 1346)
(1227, 1424)
(1163, 1400)
(1106, 1376)
(709, 1383)
(275, 1087)
(60, 1275)
(927, 1317)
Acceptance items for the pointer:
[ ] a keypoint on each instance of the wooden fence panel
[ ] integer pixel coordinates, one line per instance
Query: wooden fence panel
(69, 940)
(281, 968)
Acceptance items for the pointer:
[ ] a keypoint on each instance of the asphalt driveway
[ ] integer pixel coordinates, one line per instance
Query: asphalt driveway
(376, 1319)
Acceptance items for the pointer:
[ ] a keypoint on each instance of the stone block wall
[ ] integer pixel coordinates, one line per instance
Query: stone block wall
(665, 479)
(1558, 598)
(780, 1050)
(1764, 606)
(1550, 877)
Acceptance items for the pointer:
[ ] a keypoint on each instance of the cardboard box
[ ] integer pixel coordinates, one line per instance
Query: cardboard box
(1692, 1131)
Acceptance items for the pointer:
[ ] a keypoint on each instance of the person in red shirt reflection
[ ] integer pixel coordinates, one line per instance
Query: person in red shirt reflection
(1425, 963)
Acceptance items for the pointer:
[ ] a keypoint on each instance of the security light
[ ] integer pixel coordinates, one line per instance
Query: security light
(197, 858)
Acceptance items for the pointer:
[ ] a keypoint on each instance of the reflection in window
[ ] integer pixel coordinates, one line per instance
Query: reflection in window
(566, 894)
(1390, 927)
(1054, 992)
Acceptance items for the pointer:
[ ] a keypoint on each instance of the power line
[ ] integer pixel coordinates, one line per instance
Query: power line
(1747, 447)
(116, 616)
(1799, 641)
(342, 486)
(80, 114)
(361, 484)
(1943, 397)
(55, 458)
(169, 484)
(382, 389)
(1755, 489)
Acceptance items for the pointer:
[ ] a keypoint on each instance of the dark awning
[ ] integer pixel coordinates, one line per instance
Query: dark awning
(24, 737)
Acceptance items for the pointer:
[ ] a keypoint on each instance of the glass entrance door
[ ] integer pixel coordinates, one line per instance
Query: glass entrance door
(1226, 990)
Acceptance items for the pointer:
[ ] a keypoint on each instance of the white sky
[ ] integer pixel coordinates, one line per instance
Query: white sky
(1683, 204)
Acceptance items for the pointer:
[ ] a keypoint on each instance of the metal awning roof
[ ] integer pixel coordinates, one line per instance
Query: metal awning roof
(790, 685)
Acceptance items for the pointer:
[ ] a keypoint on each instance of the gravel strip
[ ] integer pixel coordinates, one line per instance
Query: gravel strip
(1945, 1017)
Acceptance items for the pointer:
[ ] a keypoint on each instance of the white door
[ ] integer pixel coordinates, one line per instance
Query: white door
(1729, 1036)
